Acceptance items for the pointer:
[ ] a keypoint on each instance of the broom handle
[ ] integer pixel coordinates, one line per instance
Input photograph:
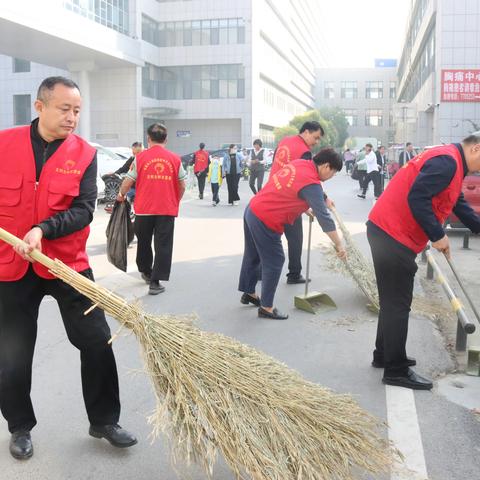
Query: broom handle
(460, 282)
(38, 256)
(310, 221)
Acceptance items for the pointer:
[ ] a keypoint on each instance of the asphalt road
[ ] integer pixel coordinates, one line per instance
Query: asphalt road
(437, 430)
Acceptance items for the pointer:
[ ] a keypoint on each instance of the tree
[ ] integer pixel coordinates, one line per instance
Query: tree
(332, 120)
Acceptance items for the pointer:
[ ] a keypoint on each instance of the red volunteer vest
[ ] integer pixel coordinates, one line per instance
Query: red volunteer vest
(201, 161)
(157, 191)
(278, 202)
(289, 148)
(24, 203)
(392, 213)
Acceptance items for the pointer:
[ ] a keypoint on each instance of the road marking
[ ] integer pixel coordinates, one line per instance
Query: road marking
(404, 433)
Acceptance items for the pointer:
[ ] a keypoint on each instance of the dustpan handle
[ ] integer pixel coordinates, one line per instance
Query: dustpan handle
(307, 279)
(38, 256)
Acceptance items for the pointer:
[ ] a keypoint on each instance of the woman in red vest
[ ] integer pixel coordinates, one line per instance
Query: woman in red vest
(51, 184)
(200, 168)
(289, 193)
(410, 212)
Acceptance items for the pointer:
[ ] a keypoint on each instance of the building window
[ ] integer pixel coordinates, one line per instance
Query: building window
(195, 32)
(348, 90)
(393, 90)
(351, 117)
(22, 109)
(329, 90)
(193, 82)
(374, 90)
(110, 13)
(19, 65)
(373, 118)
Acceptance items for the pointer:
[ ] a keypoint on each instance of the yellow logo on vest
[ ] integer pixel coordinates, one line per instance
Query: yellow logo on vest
(159, 167)
(282, 157)
(68, 168)
(285, 177)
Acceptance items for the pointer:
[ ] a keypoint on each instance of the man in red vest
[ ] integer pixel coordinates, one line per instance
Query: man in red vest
(47, 197)
(409, 213)
(160, 184)
(200, 168)
(292, 148)
(291, 191)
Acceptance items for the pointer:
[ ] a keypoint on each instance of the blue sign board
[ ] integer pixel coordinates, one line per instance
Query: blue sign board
(385, 62)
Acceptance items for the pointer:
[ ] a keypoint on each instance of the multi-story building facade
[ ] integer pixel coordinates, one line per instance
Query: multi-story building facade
(366, 96)
(213, 71)
(439, 73)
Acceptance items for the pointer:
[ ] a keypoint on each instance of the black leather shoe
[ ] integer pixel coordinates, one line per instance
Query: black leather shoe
(246, 299)
(115, 434)
(360, 196)
(155, 288)
(275, 315)
(410, 380)
(21, 446)
(299, 279)
(411, 362)
(146, 277)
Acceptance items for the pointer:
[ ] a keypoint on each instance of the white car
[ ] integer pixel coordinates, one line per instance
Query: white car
(125, 152)
(107, 162)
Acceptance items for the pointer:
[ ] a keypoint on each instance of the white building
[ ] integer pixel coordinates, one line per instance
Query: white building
(215, 71)
(439, 73)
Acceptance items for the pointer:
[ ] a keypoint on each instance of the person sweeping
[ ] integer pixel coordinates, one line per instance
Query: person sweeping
(410, 212)
(292, 191)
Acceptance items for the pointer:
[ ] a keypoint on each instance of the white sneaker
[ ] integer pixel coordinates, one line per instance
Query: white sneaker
(235, 203)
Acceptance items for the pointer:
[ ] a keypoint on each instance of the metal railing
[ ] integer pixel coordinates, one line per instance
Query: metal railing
(464, 325)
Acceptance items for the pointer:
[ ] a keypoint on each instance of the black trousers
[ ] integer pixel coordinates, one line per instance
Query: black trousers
(256, 175)
(294, 235)
(362, 176)
(373, 177)
(201, 176)
(19, 305)
(395, 270)
(232, 184)
(215, 188)
(160, 228)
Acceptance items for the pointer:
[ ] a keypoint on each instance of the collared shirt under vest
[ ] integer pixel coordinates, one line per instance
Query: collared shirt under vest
(24, 202)
(290, 148)
(392, 213)
(157, 189)
(278, 202)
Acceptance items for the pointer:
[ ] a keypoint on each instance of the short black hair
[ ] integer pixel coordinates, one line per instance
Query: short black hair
(329, 156)
(157, 132)
(258, 142)
(408, 144)
(312, 126)
(472, 139)
(137, 144)
(202, 146)
(48, 85)
(369, 145)
(232, 145)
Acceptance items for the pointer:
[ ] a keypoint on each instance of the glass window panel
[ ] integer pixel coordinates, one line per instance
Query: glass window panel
(223, 88)
(232, 35)
(223, 71)
(178, 34)
(187, 34)
(196, 89)
(214, 71)
(213, 23)
(206, 32)
(241, 34)
(233, 71)
(214, 93)
(20, 65)
(205, 88)
(187, 89)
(205, 72)
(232, 89)
(22, 112)
(241, 88)
(196, 33)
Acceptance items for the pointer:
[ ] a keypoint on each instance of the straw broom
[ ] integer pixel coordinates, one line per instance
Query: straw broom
(216, 395)
(362, 272)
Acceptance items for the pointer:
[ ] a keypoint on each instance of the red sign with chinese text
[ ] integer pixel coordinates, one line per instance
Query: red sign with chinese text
(460, 85)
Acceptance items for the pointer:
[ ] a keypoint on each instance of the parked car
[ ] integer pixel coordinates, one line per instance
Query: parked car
(107, 161)
(124, 152)
(471, 191)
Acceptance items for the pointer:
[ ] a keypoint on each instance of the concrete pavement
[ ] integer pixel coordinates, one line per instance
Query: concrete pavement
(333, 349)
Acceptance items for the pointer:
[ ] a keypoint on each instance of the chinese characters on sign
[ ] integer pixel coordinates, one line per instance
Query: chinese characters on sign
(460, 85)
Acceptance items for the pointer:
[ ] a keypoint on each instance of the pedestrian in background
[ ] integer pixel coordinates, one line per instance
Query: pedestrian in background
(382, 165)
(411, 212)
(215, 176)
(373, 175)
(406, 155)
(160, 179)
(48, 199)
(257, 166)
(290, 192)
(293, 148)
(349, 160)
(232, 169)
(200, 168)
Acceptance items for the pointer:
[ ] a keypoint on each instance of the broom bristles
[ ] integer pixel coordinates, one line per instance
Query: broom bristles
(215, 394)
